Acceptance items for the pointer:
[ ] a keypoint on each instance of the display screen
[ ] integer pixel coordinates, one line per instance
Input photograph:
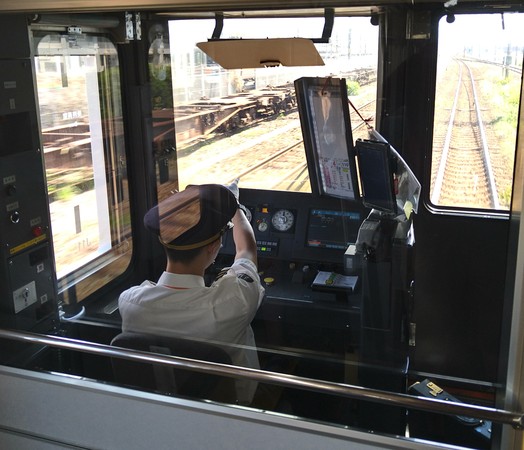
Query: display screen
(328, 140)
(17, 132)
(332, 229)
(376, 175)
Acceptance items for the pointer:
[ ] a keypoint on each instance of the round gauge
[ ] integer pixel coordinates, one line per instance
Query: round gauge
(248, 214)
(283, 220)
(262, 226)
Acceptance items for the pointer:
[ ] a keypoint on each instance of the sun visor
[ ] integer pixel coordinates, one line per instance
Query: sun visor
(257, 53)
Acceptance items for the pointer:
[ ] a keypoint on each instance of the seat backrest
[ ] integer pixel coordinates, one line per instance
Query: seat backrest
(169, 380)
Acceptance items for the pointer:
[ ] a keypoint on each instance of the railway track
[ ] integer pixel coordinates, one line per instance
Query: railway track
(266, 153)
(297, 178)
(366, 113)
(465, 176)
(282, 165)
(287, 168)
(273, 159)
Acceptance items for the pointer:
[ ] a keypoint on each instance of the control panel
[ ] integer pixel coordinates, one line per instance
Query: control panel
(297, 226)
(27, 279)
(297, 236)
(270, 224)
(300, 237)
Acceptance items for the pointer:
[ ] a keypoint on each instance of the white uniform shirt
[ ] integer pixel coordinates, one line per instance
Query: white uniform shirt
(181, 305)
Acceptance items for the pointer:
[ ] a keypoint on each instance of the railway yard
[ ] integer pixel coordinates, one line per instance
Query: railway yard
(476, 170)
(269, 155)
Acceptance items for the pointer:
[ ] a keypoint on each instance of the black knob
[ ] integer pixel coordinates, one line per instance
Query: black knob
(15, 217)
(11, 190)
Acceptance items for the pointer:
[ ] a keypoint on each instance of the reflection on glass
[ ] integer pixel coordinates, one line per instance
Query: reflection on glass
(244, 123)
(163, 116)
(476, 109)
(80, 114)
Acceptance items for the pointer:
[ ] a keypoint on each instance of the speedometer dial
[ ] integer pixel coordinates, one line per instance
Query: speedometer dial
(249, 214)
(283, 220)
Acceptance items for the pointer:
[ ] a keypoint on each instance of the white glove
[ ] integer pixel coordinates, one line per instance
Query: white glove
(233, 187)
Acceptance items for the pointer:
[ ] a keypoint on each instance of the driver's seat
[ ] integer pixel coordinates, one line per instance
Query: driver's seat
(169, 380)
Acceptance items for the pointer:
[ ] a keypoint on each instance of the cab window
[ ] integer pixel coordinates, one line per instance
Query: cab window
(476, 109)
(78, 85)
(244, 122)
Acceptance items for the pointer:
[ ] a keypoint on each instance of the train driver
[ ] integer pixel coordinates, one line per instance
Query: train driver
(190, 225)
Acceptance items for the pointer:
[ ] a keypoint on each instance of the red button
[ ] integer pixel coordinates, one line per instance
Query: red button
(37, 231)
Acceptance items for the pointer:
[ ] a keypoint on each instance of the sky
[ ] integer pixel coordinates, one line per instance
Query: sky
(482, 31)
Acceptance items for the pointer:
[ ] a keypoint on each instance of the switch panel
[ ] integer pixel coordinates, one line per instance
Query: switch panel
(24, 297)
(28, 294)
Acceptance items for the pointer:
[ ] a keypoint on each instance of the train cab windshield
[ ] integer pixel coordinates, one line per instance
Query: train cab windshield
(253, 112)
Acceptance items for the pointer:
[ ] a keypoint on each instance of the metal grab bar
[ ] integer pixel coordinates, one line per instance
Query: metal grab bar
(327, 387)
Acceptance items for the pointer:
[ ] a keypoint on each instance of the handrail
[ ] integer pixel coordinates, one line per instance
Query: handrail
(327, 387)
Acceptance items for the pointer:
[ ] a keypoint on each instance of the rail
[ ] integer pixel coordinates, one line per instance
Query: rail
(483, 144)
(356, 392)
(485, 150)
